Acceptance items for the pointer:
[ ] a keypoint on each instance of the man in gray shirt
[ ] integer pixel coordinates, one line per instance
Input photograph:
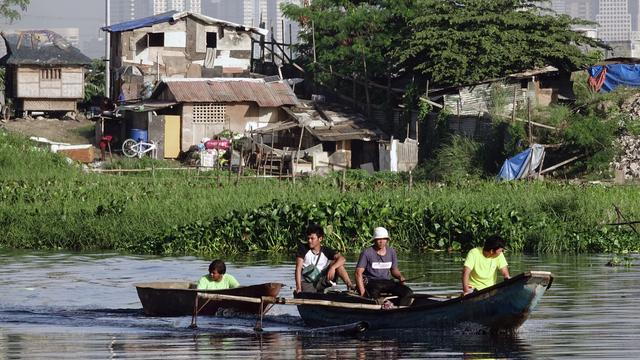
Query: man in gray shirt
(374, 268)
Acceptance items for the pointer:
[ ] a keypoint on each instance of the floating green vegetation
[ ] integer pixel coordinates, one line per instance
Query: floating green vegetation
(46, 203)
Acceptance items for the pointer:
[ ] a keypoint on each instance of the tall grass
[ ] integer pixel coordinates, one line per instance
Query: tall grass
(46, 203)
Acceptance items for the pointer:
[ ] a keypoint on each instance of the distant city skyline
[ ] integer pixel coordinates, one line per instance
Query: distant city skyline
(161, 6)
(88, 16)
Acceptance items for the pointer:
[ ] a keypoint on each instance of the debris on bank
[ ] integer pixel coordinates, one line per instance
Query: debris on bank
(81, 152)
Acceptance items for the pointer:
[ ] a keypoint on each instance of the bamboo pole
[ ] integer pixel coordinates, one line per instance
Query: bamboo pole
(289, 301)
(532, 122)
(290, 42)
(513, 111)
(259, 157)
(366, 85)
(273, 50)
(559, 164)
(313, 41)
(230, 163)
(273, 134)
(297, 155)
(529, 120)
(620, 215)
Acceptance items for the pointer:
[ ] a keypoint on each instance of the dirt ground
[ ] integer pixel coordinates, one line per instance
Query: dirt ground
(80, 131)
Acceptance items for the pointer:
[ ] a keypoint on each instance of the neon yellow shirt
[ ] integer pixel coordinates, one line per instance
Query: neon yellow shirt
(483, 269)
(227, 282)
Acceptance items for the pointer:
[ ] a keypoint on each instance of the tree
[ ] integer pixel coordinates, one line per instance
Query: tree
(465, 41)
(347, 35)
(94, 80)
(450, 42)
(10, 9)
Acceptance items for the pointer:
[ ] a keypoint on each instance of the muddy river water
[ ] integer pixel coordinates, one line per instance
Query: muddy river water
(84, 306)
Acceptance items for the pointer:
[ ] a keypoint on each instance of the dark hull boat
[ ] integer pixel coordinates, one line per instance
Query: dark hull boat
(178, 298)
(502, 307)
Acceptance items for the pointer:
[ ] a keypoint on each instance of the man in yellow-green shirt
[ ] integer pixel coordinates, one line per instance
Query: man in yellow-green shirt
(217, 279)
(480, 267)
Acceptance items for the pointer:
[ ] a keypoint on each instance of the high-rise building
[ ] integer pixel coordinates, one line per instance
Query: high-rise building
(125, 10)
(160, 6)
(614, 20)
(268, 13)
(581, 9)
(229, 10)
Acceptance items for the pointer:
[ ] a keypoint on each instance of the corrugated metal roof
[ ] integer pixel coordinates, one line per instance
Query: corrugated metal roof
(41, 47)
(349, 130)
(219, 90)
(338, 123)
(140, 23)
(175, 16)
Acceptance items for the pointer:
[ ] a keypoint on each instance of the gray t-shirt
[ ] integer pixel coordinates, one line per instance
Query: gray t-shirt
(377, 266)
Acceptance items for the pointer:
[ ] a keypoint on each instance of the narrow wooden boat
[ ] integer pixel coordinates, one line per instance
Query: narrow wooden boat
(177, 298)
(502, 307)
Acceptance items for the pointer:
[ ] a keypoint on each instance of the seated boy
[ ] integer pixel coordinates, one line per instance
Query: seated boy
(217, 279)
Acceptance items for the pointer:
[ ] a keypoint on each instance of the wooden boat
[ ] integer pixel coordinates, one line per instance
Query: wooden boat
(178, 298)
(502, 307)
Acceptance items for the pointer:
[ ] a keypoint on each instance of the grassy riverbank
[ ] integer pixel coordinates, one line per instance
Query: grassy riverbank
(47, 204)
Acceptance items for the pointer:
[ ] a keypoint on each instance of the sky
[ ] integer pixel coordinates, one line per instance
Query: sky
(87, 15)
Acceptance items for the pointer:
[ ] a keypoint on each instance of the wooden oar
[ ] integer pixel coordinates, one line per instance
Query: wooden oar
(415, 278)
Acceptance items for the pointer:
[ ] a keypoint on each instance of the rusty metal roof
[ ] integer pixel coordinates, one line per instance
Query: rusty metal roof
(227, 90)
(333, 122)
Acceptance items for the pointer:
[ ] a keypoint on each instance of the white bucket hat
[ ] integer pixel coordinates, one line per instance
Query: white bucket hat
(380, 233)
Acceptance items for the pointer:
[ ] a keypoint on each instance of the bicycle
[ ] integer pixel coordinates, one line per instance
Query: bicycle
(132, 148)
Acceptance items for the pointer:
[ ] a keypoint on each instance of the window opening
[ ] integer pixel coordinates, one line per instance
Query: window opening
(50, 74)
(155, 39)
(209, 113)
(212, 39)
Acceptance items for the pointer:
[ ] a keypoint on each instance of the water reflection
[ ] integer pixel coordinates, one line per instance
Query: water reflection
(85, 306)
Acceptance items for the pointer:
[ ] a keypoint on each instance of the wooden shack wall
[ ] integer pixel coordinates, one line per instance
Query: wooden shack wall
(29, 84)
(156, 132)
(476, 100)
(241, 117)
(185, 53)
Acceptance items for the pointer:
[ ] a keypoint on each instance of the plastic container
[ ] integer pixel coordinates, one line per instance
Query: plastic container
(139, 135)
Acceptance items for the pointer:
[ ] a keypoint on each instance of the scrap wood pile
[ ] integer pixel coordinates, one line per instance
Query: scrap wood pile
(629, 160)
(632, 106)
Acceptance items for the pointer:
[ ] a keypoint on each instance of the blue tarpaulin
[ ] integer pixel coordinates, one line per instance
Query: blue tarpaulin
(522, 164)
(606, 78)
(140, 23)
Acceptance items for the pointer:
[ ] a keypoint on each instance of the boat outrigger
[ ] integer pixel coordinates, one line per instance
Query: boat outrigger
(179, 298)
(502, 307)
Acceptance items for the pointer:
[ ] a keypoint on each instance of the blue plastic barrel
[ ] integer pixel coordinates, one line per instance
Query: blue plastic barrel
(139, 135)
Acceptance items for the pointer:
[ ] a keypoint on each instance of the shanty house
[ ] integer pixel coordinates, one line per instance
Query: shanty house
(469, 104)
(176, 45)
(43, 72)
(329, 135)
(183, 111)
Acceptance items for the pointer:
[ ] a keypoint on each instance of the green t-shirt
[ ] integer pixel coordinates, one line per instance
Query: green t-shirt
(227, 282)
(483, 269)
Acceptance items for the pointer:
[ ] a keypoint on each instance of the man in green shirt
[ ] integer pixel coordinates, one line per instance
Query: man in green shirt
(480, 267)
(217, 279)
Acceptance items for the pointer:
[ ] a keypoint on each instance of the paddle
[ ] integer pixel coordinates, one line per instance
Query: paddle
(415, 278)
